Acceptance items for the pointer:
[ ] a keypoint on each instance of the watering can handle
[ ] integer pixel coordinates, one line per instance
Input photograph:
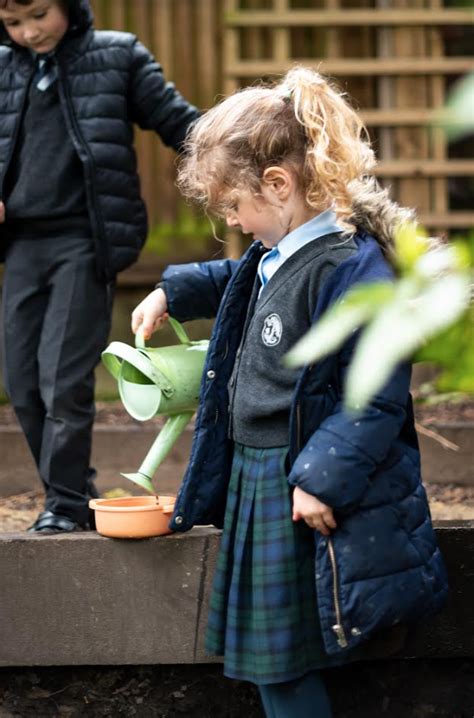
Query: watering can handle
(178, 329)
(118, 351)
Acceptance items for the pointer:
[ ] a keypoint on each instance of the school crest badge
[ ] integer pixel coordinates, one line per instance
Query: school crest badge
(272, 330)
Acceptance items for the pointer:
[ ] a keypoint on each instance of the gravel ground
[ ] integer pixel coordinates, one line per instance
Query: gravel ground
(448, 502)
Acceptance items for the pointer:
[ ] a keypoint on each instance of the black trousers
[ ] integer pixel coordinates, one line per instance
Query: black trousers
(56, 320)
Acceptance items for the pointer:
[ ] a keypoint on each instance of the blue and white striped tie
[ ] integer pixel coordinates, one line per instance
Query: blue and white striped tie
(45, 73)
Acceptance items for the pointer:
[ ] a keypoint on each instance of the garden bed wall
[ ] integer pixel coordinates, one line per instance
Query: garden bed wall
(82, 599)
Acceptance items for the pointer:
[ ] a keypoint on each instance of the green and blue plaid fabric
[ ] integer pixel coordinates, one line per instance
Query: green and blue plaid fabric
(263, 614)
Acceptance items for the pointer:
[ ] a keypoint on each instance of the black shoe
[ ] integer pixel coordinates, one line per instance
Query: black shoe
(51, 523)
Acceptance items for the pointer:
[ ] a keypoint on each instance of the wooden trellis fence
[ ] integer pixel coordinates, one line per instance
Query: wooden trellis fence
(396, 58)
(391, 56)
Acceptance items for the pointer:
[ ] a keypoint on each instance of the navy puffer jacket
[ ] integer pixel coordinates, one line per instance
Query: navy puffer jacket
(107, 82)
(381, 567)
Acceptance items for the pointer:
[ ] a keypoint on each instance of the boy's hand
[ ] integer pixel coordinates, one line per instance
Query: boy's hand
(151, 313)
(317, 515)
(2, 212)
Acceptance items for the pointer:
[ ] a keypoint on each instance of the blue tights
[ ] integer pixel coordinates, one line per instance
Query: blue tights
(304, 697)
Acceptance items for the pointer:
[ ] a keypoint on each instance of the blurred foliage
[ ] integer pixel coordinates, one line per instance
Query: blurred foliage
(457, 117)
(189, 236)
(425, 314)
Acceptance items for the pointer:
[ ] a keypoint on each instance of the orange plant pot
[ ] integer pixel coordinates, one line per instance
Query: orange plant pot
(133, 517)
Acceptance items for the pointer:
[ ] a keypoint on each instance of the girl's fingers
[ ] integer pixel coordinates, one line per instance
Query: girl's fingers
(148, 327)
(329, 520)
(321, 524)
(137, 319)
(151, 324)
(321, 527)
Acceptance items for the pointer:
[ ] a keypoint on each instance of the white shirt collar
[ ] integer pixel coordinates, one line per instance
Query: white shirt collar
(324, 223)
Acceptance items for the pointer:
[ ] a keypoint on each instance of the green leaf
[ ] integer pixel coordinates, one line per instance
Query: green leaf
(446, 346)
(453, 349)
(339, 322)
(411, 243)
(409, 321)
(457, 117)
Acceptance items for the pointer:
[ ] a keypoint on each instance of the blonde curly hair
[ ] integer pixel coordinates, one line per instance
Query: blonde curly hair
(305, 122)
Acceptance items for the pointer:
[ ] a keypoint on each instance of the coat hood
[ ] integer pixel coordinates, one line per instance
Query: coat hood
(80, 20)
(377, 214)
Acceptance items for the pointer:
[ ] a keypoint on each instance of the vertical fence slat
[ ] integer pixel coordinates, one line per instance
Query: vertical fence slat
(117, 14)
(385, 87)
(141, 12)
(252, 38)
(162, 34)
(165, 207)
(438, 136)
(98, 10)
(281, 36)
(231, 53)
(412, 92)
(231, 48)
(145, 140)
(333, 45)
(206, 51)
(183, 48)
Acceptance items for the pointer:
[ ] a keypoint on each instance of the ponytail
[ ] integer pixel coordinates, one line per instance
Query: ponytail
(338, 149)
(305, 122)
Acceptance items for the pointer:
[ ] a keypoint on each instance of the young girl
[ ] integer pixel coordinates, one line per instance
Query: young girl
(327, 535)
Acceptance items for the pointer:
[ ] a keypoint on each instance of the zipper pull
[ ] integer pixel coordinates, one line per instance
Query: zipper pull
(341, 638)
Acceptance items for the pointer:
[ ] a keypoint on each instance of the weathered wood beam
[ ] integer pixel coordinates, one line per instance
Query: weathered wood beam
(347, 17)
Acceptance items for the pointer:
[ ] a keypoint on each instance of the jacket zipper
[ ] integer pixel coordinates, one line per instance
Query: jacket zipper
(15, 135)
(299, 437)
(298, 428)
(81, 146)
(337, 628)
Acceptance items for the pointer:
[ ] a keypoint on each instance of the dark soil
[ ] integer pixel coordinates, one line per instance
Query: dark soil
(391, 689)
(427, 411)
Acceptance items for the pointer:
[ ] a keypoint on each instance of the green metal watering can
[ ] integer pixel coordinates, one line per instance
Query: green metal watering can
(158, 381)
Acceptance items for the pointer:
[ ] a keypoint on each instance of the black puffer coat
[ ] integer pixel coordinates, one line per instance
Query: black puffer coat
(107, 82)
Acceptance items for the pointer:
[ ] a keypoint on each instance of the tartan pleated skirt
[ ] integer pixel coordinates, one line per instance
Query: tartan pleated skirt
(263, 614)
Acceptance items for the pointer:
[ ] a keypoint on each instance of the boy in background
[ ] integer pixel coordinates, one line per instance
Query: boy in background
(72, 217)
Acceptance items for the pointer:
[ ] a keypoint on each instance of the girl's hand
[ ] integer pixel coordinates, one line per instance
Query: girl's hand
(317, 515)
(151, 313)
(2, 212)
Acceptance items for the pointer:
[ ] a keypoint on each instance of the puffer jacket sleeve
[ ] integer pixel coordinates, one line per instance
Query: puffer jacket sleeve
(154, 103)
(343, 453)
(194, 291)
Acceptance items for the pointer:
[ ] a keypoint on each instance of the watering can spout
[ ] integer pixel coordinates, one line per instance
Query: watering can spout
(160, 448)
(158, 381)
